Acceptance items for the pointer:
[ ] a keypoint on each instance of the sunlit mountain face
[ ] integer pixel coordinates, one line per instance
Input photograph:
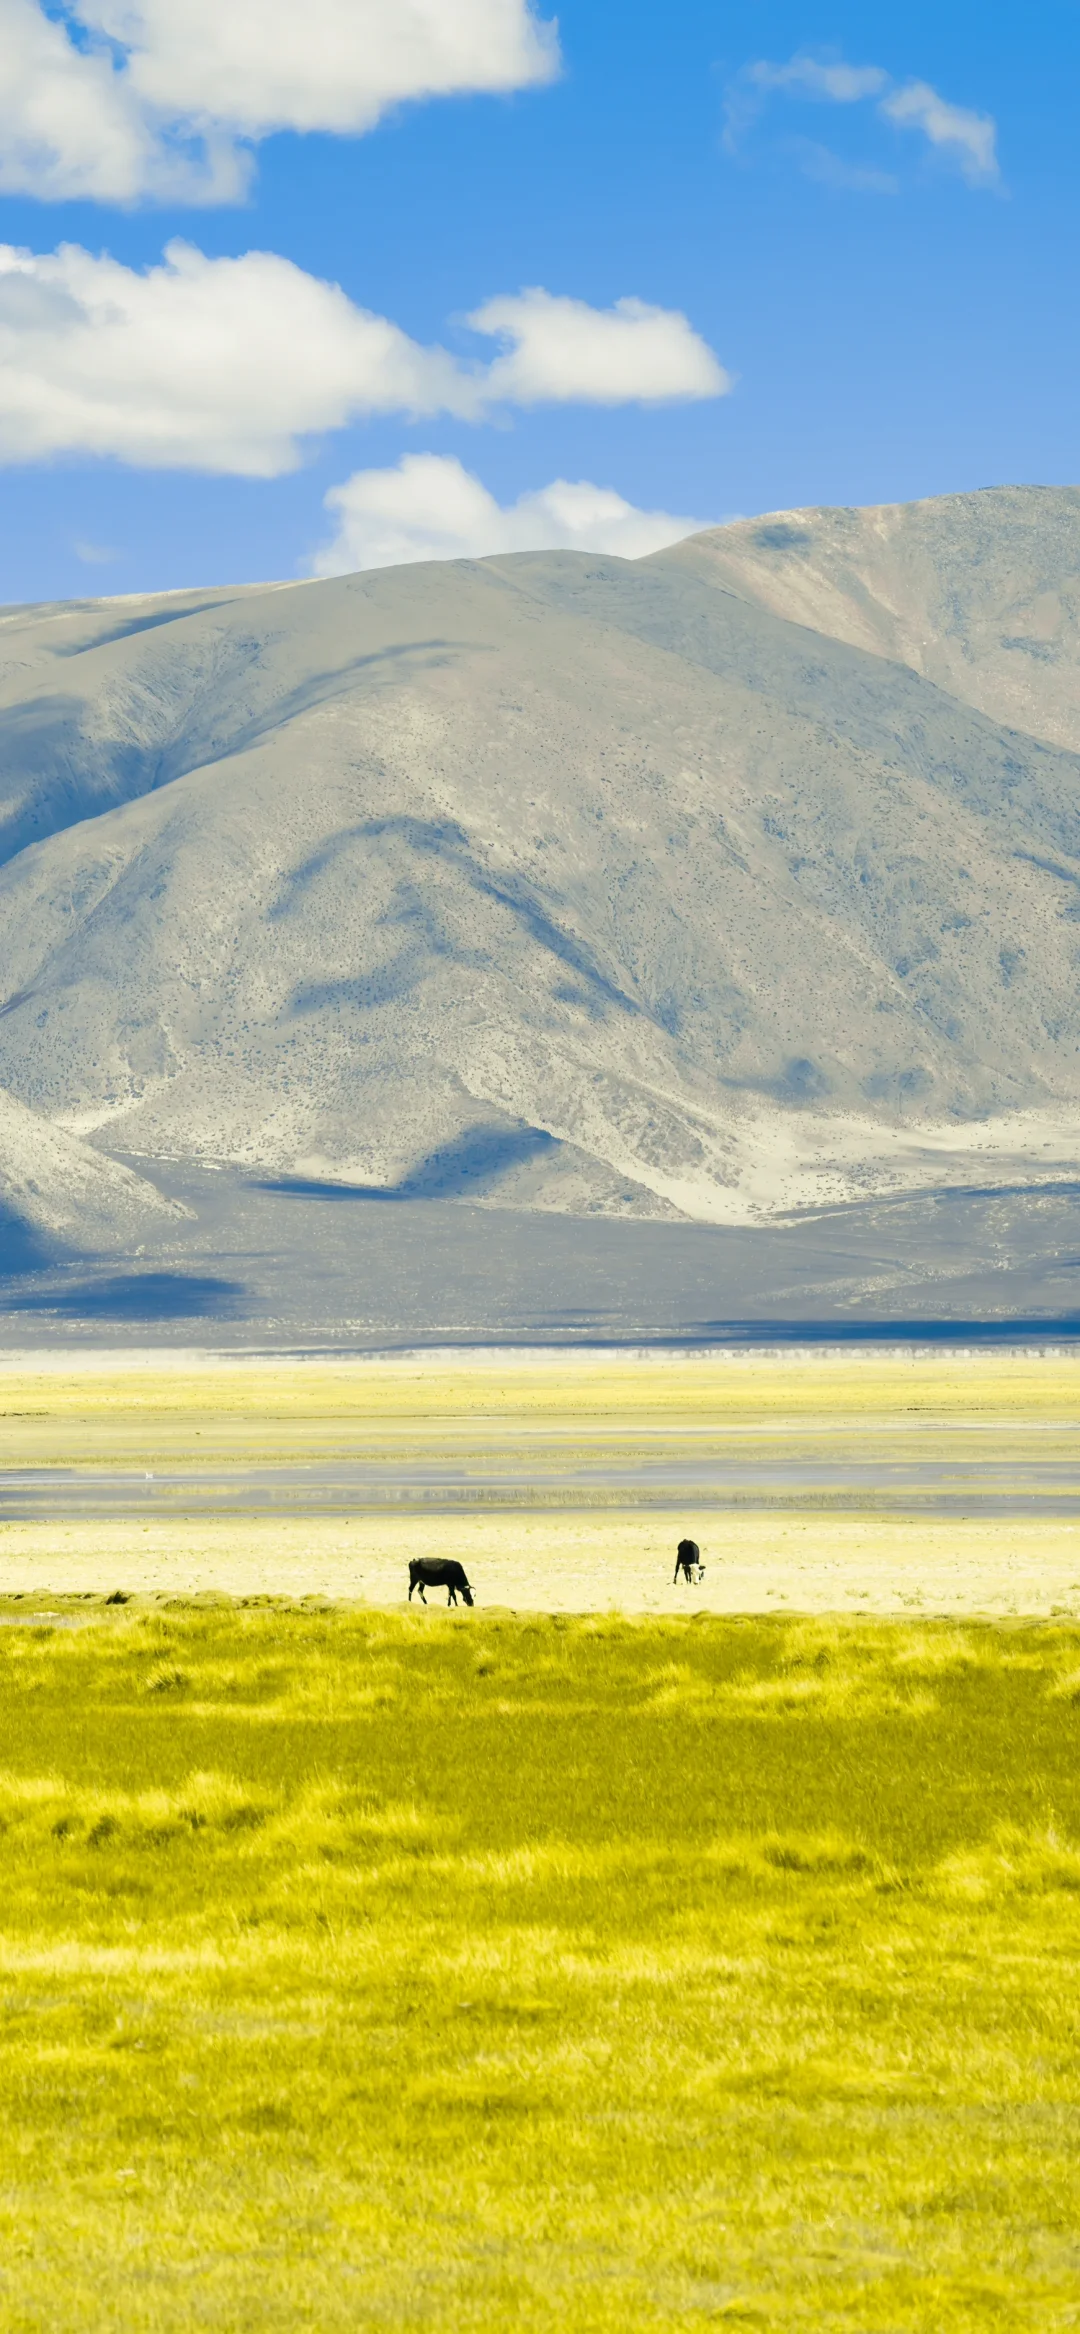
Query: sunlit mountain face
(741, 877)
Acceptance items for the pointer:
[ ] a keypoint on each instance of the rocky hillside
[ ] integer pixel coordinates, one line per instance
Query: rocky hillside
(735, 878)
(67, 1195)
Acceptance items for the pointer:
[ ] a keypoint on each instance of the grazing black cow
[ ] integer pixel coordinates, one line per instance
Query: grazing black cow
(688, 1560)
(438, 1572)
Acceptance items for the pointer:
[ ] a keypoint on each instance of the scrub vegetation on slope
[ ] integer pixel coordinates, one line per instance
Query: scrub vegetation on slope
(682, 886)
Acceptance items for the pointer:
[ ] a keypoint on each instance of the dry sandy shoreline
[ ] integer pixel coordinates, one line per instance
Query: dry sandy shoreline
(791, 1563)
(869, 1354)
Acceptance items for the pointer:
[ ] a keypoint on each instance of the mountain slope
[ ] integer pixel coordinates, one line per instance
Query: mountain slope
(55, 1185)
(554, 879)
(978, 592)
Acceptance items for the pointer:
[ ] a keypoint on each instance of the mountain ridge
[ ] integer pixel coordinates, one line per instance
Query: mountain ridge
(562, 881)
(888, 579)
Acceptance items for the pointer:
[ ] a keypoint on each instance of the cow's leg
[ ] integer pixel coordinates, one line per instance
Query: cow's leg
(451, 1593)
(412, 1585)
(420, 1586)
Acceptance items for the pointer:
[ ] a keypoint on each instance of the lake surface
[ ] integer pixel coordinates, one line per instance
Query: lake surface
(938, 1485)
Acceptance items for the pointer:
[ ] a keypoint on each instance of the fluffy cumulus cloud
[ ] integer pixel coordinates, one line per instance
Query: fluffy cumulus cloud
(556, 349)
(430, 507)
(967, 139)
(117, 100)
(209, 364)
(229, 364)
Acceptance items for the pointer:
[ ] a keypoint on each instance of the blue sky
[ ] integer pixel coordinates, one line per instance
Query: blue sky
(882, 269)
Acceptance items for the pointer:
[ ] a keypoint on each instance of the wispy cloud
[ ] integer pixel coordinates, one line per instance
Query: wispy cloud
(829, 169)
(959, 135)
(969, 138)
(840, 84)
(94, 554)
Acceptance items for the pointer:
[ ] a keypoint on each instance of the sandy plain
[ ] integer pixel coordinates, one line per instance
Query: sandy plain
(183, 1412)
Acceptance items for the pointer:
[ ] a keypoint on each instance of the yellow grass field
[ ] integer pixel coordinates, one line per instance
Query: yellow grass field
(237, 1397)
(602, 1958)
(457, 1971)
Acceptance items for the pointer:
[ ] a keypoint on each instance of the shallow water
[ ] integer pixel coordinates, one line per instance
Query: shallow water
(941, 1485)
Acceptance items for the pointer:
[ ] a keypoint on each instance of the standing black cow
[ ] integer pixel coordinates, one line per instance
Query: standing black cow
(439, 1572)
(688, 1560)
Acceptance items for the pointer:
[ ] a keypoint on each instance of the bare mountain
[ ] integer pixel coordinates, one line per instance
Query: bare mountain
(738, 877)
(62, 1189)
(978, 592)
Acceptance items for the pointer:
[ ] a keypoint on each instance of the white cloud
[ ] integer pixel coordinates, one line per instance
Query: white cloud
(558, 349)
(430, 507)
(829, 169)
(969, 139)
(209, 364)
(120, 99)
(802, 76)
(94, 554)
(227, 364)
(840, 84)
(68, 125)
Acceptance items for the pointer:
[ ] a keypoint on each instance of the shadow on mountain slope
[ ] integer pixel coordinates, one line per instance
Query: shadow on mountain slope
(137, 1296)
(136, 624)
(444, 840)
(912, 1329)
(1030, 1192)
(65, 771)
(474, 1162)
(22, 1248)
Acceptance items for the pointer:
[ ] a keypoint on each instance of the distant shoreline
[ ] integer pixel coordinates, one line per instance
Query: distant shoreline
(995, 1342)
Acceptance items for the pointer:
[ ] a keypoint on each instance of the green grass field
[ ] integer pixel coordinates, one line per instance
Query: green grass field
(467, 1970)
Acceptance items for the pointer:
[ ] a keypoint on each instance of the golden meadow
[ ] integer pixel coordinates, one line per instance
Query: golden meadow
(364, 1968)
